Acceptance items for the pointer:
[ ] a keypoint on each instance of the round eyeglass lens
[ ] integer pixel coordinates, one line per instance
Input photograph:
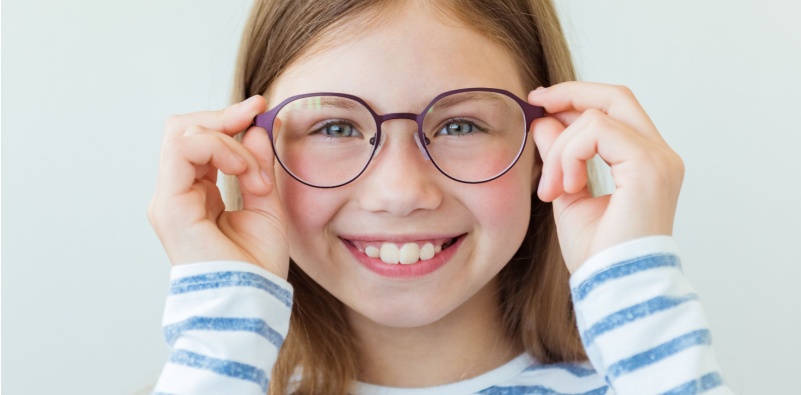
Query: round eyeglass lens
(324, 141)
(474, 136)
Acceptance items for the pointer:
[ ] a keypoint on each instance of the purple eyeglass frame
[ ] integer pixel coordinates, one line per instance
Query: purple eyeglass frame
(266, 120)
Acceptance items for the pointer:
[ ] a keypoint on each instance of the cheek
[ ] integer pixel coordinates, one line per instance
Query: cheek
(308, 211)
(510, 195)
(503, 207)
(298, 200)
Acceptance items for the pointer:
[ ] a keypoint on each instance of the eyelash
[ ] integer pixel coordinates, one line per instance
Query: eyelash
(459, 120)
(320, 130)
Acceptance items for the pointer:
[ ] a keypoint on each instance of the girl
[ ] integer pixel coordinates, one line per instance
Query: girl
(430, 212)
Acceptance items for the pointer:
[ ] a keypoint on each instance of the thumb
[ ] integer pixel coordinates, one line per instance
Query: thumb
(545, 132)
(258, 143)
(262, 216)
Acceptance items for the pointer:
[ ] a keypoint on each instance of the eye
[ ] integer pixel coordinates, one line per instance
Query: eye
(338, 129)
(457, 127)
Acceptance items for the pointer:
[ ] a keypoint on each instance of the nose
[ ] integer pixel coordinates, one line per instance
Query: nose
(400, 180)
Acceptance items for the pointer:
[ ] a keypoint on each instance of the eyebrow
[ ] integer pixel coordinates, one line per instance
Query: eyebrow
(317, 102)
(455, 100)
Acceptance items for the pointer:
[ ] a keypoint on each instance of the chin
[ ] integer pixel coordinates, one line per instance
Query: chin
(400, 314)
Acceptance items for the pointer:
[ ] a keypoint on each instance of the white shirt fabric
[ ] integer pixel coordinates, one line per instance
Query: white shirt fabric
(640, 321)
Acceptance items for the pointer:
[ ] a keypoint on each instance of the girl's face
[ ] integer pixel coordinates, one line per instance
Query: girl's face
(401, 198)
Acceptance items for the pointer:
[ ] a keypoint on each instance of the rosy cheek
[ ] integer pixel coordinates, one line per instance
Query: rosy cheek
(502, 206)
(505, 198)
(310, 212)
(305, 214)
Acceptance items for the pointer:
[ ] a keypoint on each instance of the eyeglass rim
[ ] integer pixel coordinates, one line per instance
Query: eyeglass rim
(530, 113)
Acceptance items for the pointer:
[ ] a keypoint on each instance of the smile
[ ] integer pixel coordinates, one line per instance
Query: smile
(404, 253)
(403, 258)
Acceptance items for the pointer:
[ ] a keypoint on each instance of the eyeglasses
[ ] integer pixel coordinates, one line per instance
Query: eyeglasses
(327, 140)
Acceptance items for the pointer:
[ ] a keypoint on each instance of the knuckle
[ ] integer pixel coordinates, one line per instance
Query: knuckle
(150, 212)
(678, 166)
(594, 113)
(223, 113)
(193, 130)
(173, 123)
(667, 163)
(153, 212)
(594, 117)
(624, 91)
(171, 148)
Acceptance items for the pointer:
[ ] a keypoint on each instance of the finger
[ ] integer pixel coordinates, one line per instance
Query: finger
(546, 132)
(211, 195)
(251, 178)
(267, 206)
(257, 143)
(617, 101)
(194, 156)
(230, 120)
(596, 133)
(564, 170)
(206, 172)
(566, 117)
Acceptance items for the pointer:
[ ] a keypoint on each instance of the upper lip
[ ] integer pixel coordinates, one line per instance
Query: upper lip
(402, 238)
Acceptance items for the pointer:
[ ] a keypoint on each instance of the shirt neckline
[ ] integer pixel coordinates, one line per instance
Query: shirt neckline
(469, 386)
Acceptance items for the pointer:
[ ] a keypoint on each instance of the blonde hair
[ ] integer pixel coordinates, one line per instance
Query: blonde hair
(534, 297)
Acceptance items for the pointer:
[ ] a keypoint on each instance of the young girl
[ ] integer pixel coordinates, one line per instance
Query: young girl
(411, 216)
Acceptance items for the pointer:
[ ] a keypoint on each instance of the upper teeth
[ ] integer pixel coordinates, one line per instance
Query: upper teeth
(406, 254)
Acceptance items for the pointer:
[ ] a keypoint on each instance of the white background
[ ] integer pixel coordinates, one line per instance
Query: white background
(88, 84)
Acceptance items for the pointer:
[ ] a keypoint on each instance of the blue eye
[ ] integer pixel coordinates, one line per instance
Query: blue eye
(458, 128)
(337, 129)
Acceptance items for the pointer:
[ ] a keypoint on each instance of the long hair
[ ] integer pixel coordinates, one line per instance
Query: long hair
(534, 296)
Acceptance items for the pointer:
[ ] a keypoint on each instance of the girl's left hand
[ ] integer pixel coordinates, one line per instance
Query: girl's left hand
(585, 119)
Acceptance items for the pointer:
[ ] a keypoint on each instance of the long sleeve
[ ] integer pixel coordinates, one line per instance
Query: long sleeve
(641, 322)
(224, 323)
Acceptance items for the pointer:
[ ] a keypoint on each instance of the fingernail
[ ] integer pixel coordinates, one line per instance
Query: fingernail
(540, 89)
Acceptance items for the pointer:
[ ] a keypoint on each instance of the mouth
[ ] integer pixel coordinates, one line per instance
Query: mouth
(420, 255)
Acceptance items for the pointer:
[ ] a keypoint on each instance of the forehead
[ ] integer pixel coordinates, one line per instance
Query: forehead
(400, 60)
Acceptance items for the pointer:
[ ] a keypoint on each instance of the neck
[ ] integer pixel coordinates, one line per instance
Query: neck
(465, 343)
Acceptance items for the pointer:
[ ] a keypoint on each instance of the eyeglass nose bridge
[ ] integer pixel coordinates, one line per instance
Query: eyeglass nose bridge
(380, 119)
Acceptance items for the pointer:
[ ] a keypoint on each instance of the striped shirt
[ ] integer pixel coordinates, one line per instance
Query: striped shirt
(640, 322)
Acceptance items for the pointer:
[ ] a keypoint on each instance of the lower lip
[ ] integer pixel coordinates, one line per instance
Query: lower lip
(401, 271)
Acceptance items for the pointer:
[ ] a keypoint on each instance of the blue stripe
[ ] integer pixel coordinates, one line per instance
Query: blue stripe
(633, 313)
(254, 325)
(536, 390)
(623, 269)
(229, 279)
(221, 366)
(575, 370)
(658, 353)
(705, 383)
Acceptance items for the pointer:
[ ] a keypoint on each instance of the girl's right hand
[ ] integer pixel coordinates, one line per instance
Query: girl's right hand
(187, 210)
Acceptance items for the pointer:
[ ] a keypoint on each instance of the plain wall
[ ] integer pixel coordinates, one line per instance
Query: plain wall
(88, 84)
